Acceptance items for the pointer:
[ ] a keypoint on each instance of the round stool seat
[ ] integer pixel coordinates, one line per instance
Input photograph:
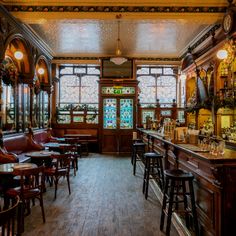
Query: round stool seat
(178, 174)
(152, 155)
(139, 144)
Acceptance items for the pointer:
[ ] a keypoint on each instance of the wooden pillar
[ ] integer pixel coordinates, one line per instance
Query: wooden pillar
(139, 114)
(158, 110)
(31, 103)
(174, 110)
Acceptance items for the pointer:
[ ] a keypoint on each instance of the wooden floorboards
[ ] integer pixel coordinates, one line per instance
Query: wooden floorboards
(106, 200)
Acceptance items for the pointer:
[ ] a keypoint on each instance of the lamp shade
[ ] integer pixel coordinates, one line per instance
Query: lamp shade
(18, 55)
(222, 54)
(118, 60)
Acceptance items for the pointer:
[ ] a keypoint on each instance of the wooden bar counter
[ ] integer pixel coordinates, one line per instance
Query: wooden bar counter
(214, 185)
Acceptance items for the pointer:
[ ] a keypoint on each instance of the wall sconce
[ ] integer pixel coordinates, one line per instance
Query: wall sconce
(18, 55)
(41, 71)
(222, 54)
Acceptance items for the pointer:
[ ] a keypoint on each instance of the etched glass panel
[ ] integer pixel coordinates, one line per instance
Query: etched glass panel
(93, 70)
(147, 113)
(143, 71)
(80, 70)
(109, 113)
(89, 89)
(69, 89)
(156, 71)
(168, 71)
(147, 89)
(66, 70)
(166, 89)
(126, 113)
(166, 113)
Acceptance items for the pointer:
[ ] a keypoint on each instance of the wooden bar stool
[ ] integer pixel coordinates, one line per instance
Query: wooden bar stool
(134, 141)
(177, 181)
(153, 170)
(138, 151)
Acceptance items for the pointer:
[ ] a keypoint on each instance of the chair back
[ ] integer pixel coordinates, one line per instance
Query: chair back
(30, 179)
(62, 162)
(8, 218)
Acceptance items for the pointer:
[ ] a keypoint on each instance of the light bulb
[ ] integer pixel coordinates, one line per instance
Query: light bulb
(18, 55)
(222, 54)
(41, 71)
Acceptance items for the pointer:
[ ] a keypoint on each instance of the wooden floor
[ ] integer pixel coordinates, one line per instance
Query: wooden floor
(106, 200)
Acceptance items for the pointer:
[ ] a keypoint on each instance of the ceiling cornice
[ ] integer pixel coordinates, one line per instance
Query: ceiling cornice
(117, 9)
(118, 2)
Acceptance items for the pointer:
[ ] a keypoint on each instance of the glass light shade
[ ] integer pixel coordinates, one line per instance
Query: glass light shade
(41, 71)
(222, 54)
(18, 55)
(118, 60)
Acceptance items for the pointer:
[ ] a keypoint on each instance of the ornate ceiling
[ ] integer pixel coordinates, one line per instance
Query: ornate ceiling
(148, 29)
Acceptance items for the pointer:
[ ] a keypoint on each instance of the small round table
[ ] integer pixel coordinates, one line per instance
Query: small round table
(41, 157)
(8, 168)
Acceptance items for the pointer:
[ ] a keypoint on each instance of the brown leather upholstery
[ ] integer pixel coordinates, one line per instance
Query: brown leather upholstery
(21, 144)
(6, 157)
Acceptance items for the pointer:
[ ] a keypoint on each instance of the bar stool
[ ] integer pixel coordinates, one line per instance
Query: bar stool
(138, 151)
(137, 140)
(153, 170)
(178, 194)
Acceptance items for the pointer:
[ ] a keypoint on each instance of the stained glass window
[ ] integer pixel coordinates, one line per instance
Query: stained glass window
(147, 113)
(109, 111)
(126, 113)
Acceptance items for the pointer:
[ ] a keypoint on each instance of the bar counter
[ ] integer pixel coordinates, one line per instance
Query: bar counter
(214, 184)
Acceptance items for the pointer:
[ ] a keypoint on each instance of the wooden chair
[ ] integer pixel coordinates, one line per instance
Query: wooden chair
(9, 216)
(32, 185)
(75, 150)
(61, 168)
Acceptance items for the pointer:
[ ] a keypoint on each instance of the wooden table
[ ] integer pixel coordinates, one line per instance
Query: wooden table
(6, 169)
(41, 157)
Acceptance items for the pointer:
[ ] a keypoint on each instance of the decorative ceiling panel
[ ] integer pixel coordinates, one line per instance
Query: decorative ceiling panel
(139, 38)
(151, 29)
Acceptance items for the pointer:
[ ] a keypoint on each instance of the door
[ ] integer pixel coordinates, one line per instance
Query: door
(118, 124)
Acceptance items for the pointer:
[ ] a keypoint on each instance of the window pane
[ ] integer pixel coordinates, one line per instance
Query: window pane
(69, 89)
(93, 70)
(156, 71)
(143, 71)
(147, 89)
(80, 70)
(168, 71)
(66, 70)
(126, 113)
(166, 89)
(89, 89)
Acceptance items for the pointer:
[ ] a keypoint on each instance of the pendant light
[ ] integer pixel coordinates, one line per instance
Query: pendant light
(118, 59)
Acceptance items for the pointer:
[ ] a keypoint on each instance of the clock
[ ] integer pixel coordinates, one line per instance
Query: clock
(228, 21)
